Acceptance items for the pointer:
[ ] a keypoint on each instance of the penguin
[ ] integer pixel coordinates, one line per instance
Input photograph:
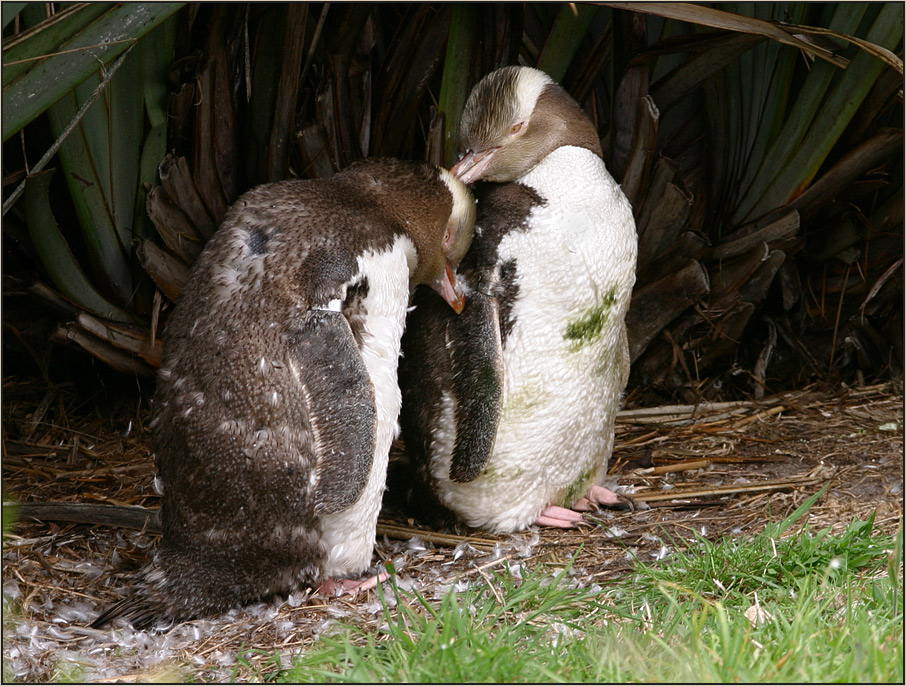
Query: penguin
(277, 396)
(508, 411)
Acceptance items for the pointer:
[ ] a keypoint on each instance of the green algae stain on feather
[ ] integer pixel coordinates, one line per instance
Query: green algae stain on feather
(577, 488)
(524, 401)
(587, 328)
(494, 475)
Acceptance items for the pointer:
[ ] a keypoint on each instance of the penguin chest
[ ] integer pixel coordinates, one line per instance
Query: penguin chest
(564, 359)
(348, 535)
(565, 355)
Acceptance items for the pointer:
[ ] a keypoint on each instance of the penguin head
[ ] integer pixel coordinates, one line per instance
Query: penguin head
(431, 206)
(514, 117)
(438, 260)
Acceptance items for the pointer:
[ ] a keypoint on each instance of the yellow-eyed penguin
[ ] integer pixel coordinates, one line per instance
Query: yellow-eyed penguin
(277, 397)
(509, 410)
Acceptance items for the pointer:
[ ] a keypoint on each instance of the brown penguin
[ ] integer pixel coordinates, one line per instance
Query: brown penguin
(277, 397)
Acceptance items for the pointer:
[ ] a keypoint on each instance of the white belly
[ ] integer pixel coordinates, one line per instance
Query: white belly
(565, 359)
(349, 535)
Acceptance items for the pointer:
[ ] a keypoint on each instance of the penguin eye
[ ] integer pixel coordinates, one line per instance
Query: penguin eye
(514, 129)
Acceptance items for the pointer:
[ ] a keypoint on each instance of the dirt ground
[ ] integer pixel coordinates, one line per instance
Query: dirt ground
(723, 469)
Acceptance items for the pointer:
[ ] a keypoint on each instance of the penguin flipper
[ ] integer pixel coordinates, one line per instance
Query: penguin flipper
(341, 407)
(476, 359)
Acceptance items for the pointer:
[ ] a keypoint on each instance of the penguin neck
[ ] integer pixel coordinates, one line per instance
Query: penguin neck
(558, 120)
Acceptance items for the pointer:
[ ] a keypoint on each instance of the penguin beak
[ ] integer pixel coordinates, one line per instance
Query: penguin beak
(473, 165)
(449, 290)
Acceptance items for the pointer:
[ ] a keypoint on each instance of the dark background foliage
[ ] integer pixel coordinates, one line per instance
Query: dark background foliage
(764, 163)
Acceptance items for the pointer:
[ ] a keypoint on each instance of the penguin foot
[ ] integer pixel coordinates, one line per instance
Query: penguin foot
(339, 587)
(594, 498)
(559, 517)
(598, 495)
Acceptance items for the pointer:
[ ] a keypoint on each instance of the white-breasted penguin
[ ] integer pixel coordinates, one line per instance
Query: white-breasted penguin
(277, 397)
(509, 410)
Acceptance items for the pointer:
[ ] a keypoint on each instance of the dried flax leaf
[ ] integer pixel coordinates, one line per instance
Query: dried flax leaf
(177, 180)
(746, 238)
(670, 214)
(287, 92)
(415, 52)
(314, 148)
(664, 172)
(127, 339)
(855, 163)
(642, 151)
(264, 60)
(339, 58)
(168, 272)
(174, 228)
(727, 21)
(110, 355)
(216, 147)
(878, 51)
(657, 304)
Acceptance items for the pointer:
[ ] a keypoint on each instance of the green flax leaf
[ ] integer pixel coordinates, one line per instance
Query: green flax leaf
(26, 97)
(564, 39)
(454, 87)
(54, 252)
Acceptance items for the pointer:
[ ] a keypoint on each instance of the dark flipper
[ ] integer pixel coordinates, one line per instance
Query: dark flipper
(477, 384)
(457, 355)
(344, 425)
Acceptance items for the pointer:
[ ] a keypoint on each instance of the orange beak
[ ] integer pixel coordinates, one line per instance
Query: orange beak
(448, 289)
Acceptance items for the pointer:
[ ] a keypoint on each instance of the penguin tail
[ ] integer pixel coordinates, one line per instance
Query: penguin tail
(136, 609)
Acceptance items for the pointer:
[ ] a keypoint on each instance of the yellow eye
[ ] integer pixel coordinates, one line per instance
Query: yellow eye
(515, 128)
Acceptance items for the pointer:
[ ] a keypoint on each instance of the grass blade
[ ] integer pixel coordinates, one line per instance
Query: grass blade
(775, 530)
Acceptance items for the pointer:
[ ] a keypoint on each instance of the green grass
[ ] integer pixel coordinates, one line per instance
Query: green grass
(832, 609)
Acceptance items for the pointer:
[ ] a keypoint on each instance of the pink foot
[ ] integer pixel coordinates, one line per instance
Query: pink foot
(559, 517)
(597, 495)
(339, 587)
